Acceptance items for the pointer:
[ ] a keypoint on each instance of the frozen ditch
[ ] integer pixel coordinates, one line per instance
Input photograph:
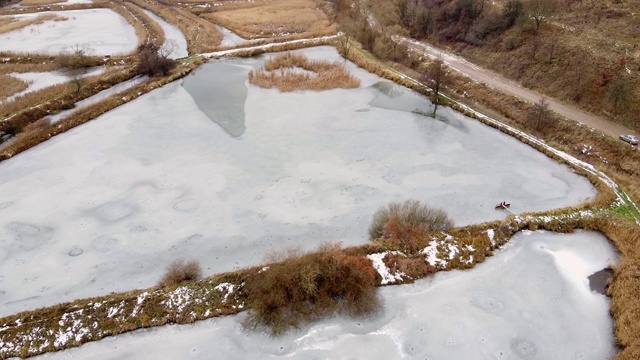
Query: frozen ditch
(102, 31)
(174, 38)
(530, 301)
(108, 205)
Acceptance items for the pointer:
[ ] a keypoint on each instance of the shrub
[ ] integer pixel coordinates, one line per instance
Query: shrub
(407, 220)
(180, 271)
(307, 287)
(153, 60)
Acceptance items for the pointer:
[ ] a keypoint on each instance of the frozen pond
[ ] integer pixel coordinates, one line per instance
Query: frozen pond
(530, 301)
(102, 31)
(108, 205)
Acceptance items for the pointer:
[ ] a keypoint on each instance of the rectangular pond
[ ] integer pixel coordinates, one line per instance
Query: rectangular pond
(213, 169)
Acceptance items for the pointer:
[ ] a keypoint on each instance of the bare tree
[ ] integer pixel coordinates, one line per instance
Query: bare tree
(435, 76)
(153, 60)
(77, 57)
(539, 10)
(539, 116)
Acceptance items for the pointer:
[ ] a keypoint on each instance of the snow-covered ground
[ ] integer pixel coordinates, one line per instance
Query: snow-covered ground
(108, 205)
(173, 36)
(41, 80)
(102, 31)
(530, 301)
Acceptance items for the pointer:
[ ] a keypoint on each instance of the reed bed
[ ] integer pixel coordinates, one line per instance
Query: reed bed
(18, 24)
(53, 7)
(284, 72)
(40, 66)
(11, 86)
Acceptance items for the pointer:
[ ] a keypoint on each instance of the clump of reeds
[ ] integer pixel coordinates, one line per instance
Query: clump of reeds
(306, 287)
(408, 220)
(290, 71)
(180, 271)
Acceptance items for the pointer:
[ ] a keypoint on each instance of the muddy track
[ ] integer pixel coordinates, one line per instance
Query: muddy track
(498, 82)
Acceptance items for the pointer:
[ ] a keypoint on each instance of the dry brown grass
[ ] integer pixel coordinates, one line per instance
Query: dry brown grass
(269, 18)
(284, 72)
(17, 24)
(40, 2)
(10, 86)
(201, 35)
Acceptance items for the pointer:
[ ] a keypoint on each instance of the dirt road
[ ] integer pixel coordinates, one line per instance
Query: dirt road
(496, 81)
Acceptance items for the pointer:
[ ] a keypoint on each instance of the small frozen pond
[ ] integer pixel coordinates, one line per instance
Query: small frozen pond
(102, 31)
(108, 205)
(530, 301)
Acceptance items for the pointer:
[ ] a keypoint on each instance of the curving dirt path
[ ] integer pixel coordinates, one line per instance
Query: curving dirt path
(496, 81)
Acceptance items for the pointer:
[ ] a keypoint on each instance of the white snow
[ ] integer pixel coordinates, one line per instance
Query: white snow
(156, 180)
(102, 31)
(383, 270)
(227, 289)
(518, 304)
(174, 38)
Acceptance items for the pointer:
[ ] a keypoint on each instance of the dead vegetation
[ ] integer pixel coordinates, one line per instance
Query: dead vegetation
(40, 2)
(180, 271)
(11, 86)
(271, 18)
(289, 72)
(305, 287)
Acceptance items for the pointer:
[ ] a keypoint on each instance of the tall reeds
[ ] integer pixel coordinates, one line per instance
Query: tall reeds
(290, 71)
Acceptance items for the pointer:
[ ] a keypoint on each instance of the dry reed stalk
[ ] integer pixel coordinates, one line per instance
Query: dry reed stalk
(19, 24)
(48, 65)
(281, 72)
(10, 86)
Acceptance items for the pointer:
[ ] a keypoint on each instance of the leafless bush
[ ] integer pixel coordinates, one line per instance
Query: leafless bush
(303, 288)
(406, 220)
(180, 271)
(153, 60)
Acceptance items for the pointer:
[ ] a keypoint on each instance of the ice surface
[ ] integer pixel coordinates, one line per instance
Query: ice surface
(102, 31)
(520, 304)
(173, 36)
(108, 205)
(98, 97)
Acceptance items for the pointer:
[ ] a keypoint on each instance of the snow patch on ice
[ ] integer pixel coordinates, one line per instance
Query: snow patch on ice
(385, 273)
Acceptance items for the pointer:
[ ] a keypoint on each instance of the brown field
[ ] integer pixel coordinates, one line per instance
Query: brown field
(40, 2)
(272, 18)
(11, 24)
(284, 72)
(11, 85)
